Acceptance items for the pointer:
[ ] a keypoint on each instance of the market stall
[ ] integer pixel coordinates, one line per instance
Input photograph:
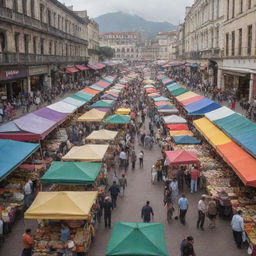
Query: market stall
(93, 115)
(59, 212)
(137, 239)
(102, 135)
(174, 119)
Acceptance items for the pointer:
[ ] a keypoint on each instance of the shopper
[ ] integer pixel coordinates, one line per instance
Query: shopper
(114, 191)
(187, 248)
(122, 184)
(212, 211)
(28, 193)
(146, 212)
(195, 174)
(237, 224)
(64, 232)
(133, 159)
(183, 207)
(141, 158)
(202, 210)
(27, 243)
(108, 207)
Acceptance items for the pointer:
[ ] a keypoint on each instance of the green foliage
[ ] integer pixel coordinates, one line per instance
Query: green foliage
(105, 52)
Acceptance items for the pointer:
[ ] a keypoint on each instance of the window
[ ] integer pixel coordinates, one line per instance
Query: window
(249, 4)
(50, 48)
(59, 21)
(55, 47)
(66, 50)
(227, 44)
(35, 45)
(233, 43)
(24, 7)
(42, 45)
(2, 3)
(26, 43)
(17, 40)
(54, 19)
(241, 6)
(49, 17)
(42, 12)
(249, 40)
(233, 8)
(227, 9)
(2, 41)
(32, 7)
(15, 5)
(240, 41)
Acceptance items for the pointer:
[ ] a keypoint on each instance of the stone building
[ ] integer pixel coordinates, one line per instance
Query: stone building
(93, 41)
(238, 72)
(39, 41)
(127, 45)
(203, 37)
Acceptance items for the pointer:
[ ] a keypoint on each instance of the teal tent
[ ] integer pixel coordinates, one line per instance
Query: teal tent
(118, 119)
(72, 173)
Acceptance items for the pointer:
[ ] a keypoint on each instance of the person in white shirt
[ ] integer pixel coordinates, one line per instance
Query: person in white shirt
(122, 158)
(202, 210)
(28, 193)
(237, 224)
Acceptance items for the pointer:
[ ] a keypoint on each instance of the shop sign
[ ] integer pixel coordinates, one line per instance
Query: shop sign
(14, 73)
(38, 70)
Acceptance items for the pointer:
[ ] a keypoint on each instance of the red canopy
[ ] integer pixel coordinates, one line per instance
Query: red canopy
(151, 90)
(177, 157)
(71, 70)
(81, 67)
(177, 127)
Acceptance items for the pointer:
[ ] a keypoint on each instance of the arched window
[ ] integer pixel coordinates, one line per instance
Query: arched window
(2, 41)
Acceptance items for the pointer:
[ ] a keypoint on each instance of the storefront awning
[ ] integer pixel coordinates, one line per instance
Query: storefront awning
(12, 154)
(71, 70)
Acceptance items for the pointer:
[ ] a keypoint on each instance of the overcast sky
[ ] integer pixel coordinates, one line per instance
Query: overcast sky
(153, 10)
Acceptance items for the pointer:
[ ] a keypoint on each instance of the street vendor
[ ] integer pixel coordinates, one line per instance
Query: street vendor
(64, 232)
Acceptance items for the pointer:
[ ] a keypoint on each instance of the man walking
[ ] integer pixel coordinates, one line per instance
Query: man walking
(183, 207)
(194, 179)
(146, 212)
(202, 210)
(27, 240)
(133, 159)
(107, 206)
(186, 247)
(237, 224)
(122, 184)
(114, 191)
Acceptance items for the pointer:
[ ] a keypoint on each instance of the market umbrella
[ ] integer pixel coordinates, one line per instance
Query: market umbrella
(161, 98)
(159, 103)
(102, 135)
(123, 111)
(71, 173)
(148, 81)
(168, 111)
(154, 94)
(64, 205)
(148, 86)
(87, 153)
(151, 90)
(167, 106)
(93, 115)
(181, 133)
(177, 157)
(103, 104)
(174, 119)
(117, 119)
(137, 239)
(177, 127)
(185, 139)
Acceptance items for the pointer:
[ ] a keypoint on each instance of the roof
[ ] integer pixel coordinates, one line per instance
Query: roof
(93, 115)
(102, 135)
(176, 157)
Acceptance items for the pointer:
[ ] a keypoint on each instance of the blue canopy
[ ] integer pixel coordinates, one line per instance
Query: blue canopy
(170, 82)
(201, 107)
(12, 154)
(186, 140)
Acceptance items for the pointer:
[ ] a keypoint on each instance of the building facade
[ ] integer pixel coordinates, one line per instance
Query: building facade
(127, 45)
(238, 72)
(93, 41)
(203, 37)
(39, 39)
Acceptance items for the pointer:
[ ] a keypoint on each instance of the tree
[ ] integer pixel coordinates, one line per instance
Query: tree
(106, 52)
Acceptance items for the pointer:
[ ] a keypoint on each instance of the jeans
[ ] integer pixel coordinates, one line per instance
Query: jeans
(201, 218)
(141, 162)
(182, 216)
(133, 165)
(114, 198)
(238, 238)
(107, 218)
(193, 186)
(28, 200)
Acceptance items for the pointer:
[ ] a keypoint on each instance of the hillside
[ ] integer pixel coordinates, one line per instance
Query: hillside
(122, 22)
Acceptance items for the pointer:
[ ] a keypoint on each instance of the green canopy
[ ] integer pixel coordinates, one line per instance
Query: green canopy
(143, 239)
(84, 95)
(172, 88)
(103, 104)
(118, 119)
(179, 91)
(72, 173)
(77, 97)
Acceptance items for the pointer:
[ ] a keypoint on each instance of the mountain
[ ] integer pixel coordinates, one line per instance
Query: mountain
(123, 22)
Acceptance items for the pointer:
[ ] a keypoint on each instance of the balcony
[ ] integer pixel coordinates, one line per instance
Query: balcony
(214, 53)
(8, 15)
(37, 59)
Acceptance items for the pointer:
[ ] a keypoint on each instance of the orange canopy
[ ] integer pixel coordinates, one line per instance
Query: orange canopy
(159, 103)
(243, 163)
(91, 91)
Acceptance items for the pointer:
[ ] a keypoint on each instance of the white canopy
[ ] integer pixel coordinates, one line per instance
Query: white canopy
(77, 103)
(62, 107)
(174, 119)
(219, 113)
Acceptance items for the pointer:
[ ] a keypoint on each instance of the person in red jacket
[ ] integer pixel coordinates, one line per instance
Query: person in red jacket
(195, 174)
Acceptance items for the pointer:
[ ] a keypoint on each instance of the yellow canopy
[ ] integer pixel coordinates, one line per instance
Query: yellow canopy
(213, 134)
(64, 205)
(102, 135)
(181, 133)
(87, 153)
(148, 81)
(92, 115)
(123, 111)
(186, 95)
